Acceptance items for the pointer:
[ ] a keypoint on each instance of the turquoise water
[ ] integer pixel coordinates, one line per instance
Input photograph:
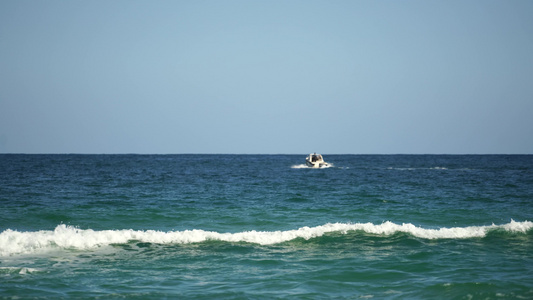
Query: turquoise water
(266, 226)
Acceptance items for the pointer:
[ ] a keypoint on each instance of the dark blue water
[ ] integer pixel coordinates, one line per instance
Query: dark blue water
(266, 226)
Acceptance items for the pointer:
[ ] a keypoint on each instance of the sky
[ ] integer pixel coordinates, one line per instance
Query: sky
(266, 77)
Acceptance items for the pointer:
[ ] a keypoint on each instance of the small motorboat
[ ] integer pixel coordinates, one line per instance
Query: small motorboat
(315, 161)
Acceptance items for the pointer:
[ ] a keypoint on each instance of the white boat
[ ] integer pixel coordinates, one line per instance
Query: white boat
(314, 160)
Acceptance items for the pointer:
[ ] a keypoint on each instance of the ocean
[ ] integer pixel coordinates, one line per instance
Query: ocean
(266, 227)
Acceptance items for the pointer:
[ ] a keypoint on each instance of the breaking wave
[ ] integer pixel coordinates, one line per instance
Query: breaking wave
(18, 270)
(69, 237)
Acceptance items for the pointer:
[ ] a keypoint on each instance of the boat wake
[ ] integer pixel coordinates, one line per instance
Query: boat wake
(304, 166)
(69, 237)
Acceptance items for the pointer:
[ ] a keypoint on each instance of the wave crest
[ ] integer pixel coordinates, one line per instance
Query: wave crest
(69, 237)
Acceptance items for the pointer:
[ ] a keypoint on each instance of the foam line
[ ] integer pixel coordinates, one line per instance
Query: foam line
(17, 270)
(69, 237)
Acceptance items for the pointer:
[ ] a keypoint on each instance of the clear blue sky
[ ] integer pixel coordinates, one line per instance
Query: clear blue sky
(361, 77)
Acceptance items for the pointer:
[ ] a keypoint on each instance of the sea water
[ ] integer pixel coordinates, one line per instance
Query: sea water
(266, 226)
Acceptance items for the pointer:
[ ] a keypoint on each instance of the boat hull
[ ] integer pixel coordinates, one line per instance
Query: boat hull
(316, 165)
(315, 161)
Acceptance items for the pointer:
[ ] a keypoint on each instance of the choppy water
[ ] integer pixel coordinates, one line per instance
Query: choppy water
(265, 226)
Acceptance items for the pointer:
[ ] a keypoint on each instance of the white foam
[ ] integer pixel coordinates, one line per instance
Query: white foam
(304, 166)
(301, 166)
(68, 237)
(18, 270)
(414, 169)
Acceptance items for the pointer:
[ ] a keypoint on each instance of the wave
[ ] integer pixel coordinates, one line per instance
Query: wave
(69, 237)
(18, 270)
(413, 169)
